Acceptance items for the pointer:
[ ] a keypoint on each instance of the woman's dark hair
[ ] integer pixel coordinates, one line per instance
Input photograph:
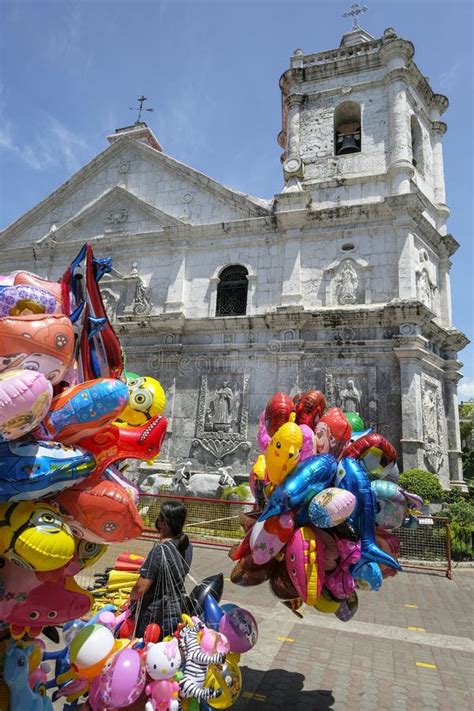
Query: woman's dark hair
(174, 514)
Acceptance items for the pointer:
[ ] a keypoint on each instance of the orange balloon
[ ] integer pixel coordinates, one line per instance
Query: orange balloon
(42, 342)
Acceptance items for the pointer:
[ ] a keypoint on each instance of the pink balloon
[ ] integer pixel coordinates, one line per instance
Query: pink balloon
(122, 682)
(240, 628)
(25, 397)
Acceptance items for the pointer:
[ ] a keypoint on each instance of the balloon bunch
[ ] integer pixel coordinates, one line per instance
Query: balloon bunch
(67, 413)
(195, 669)
(327, 496)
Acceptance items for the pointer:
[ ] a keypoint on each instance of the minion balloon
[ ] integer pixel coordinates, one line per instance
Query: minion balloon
(146, 400)
(283, 451)
(34, 536)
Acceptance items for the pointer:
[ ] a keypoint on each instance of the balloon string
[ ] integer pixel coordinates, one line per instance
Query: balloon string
(212, 520)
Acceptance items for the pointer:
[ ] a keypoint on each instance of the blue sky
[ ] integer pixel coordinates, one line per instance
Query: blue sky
(70, 69)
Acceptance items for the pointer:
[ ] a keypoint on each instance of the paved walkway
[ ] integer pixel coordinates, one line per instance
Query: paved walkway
(409, 646)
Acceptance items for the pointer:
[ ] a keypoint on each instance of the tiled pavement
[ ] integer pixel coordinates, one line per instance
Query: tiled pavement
(409, 646)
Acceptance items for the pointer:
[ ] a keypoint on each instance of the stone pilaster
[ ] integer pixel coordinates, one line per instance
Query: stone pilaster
(408, 354)
(176, 297)
(452, 376)
(291, 287)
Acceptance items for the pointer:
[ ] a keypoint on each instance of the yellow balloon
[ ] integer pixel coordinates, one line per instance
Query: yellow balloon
(283, 451)
(33, 534)
(146, 399)
(229, 679)
(324, 604)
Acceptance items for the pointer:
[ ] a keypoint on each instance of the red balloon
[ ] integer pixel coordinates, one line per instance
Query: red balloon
(112, 443)
(126, 628)
(277, 412)
(100, 511)
(152, 633)
(333, 432)
(309, 408)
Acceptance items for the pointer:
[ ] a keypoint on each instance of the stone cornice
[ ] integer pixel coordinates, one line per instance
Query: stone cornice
(328, 319)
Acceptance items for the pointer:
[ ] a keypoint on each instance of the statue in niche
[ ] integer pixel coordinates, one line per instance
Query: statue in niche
(348, 398)
(424, 289)
(220, 413)
(346, 283)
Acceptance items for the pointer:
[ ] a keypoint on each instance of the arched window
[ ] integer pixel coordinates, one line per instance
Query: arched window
(232, 291)
(347, 129)
(416, 144)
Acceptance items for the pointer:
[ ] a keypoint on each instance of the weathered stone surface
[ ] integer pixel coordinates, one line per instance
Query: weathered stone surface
(348, 267)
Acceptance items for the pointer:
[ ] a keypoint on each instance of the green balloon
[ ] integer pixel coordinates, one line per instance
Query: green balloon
(355, 421)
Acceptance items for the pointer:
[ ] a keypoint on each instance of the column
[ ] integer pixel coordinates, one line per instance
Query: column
(294, 102)
(411, 409)
(175, 297)
(445, 292)
(400, 161)
(437, 133)
(452, 417)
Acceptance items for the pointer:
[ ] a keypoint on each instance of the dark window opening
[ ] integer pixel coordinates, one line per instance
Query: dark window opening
(232, 291)
(416, 144)
(347, 129)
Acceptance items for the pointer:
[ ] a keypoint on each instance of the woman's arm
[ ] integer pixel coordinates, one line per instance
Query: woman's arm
(140, 588)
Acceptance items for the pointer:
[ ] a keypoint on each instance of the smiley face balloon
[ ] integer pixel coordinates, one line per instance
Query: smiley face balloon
(283, 451)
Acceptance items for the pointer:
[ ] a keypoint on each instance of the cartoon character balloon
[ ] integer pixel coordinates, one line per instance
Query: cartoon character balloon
(33, 535)
(25, 397)
(283, 451)
(146, 400)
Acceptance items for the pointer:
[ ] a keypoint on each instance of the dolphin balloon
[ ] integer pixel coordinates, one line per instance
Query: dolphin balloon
(352, 477)
(305, 481)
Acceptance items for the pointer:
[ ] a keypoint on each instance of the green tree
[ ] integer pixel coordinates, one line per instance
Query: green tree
(423, 483)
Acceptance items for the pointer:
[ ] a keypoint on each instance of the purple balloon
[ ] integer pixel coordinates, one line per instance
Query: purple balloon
(240, 628)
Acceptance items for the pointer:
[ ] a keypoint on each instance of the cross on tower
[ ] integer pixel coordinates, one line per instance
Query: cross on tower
(140, 109)
(353, 12)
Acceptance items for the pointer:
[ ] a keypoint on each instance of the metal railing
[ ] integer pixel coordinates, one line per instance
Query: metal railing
(207, 520)
(427, 547)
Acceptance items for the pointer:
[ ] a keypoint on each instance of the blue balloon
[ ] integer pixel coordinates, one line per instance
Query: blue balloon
(308, 478)
(212, 612)
(368, 573)
(351, 476)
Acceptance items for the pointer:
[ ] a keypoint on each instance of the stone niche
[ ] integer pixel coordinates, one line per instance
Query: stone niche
(347, 282)
(221, 435)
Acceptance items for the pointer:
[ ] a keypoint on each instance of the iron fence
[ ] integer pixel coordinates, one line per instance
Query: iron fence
(428, 546)
(215, 520)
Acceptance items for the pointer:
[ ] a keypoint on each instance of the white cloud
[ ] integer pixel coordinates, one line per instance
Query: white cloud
(53, 144)
(466, 389)
(451, 76)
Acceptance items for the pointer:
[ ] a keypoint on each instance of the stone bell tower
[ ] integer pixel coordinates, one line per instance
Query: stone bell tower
(362, 158)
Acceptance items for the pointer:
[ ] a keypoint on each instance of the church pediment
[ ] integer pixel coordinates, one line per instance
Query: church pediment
(115, 212)
(130, 186)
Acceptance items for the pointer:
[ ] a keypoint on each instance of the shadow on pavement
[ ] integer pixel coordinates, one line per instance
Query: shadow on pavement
(279, 688)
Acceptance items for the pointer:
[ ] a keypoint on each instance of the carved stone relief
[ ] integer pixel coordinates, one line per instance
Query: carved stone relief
(426, 289)
(223, 413)
(432, 416)
(116, 218)
(345, 283)
(125, 294)
(111, 300)
(348, 397)
(354, 391)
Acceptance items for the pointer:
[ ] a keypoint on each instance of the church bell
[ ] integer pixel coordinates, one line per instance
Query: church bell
(348, 145)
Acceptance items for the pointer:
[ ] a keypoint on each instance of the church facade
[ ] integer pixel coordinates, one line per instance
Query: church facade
(340, 282)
